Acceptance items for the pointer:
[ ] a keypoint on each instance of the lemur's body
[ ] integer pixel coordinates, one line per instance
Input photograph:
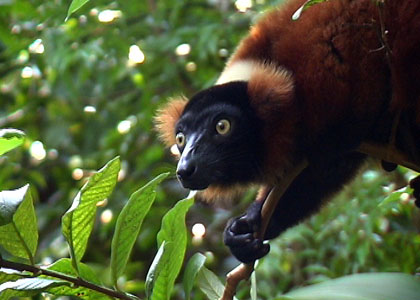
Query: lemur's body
(345, 74)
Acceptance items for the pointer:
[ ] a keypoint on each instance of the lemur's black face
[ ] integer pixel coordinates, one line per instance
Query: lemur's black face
(218, 137)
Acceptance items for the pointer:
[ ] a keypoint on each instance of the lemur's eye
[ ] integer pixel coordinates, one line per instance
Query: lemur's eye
(223, 127)
(180, 139)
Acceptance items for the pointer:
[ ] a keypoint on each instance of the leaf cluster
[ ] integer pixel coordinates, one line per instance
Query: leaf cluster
(19, 237)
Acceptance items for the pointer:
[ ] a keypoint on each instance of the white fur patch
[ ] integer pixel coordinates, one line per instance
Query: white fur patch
(244, 70)
(238, 71)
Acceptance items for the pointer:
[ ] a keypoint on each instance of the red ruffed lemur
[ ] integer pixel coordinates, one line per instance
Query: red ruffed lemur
(341, 82)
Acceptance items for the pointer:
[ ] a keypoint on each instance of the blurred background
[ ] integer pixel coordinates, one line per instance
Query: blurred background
(86, 90)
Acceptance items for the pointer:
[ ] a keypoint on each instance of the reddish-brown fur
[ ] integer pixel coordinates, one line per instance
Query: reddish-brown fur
(339, 63)
(348, 70)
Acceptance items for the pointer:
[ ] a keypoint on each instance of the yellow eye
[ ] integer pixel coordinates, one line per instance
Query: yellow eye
(223, 127)
(180, 139)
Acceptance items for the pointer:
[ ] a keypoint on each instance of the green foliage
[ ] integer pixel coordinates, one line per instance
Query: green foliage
(9, 275)
(10, 139)
(129, 223)
(19, 229)
(69, 276)
(194, 265)
(30, 286)
(369, 286)
(74, 6)
(396, 196)
(9, 203)
(64, 265)
(374, 286)
(154, 271)
(78, 221)
(357, 227)
(210, 284)
(174, 233)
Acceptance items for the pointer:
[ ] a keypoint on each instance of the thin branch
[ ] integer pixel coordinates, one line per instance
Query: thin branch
(383, 34)
(76, 281)
(244, 271)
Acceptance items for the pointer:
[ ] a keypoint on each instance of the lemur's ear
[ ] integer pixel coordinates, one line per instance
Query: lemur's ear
(270, 88)
(166, 118)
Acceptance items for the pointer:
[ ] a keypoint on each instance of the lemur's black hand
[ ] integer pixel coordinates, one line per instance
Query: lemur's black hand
(240, 233)
(415, 185)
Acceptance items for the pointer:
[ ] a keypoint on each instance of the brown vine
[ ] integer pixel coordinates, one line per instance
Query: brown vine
(244, 271)
(37, 271)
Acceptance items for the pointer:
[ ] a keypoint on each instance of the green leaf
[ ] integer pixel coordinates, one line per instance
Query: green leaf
(14, 294)
(10, 139)
(65, 266)
(369, 286)
(129, 223)
(9, 203)
(174, 232)
(305, 6)
(77, 222)
(194, 265)
(30, 285)
(9, 275)
(74, 6)
(210, 284)
(395, 196)
(19, 232)
(155, 269)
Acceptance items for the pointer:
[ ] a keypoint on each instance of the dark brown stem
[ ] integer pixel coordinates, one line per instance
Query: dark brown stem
(244, 271)
(76, 281)
(383, 34)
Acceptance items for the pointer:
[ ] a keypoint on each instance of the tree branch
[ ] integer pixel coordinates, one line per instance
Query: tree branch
(244, 271)
(388, 154)
(76, 281)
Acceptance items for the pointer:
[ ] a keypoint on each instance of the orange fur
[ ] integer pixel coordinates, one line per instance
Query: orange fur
(270, 87)
(167, 117)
